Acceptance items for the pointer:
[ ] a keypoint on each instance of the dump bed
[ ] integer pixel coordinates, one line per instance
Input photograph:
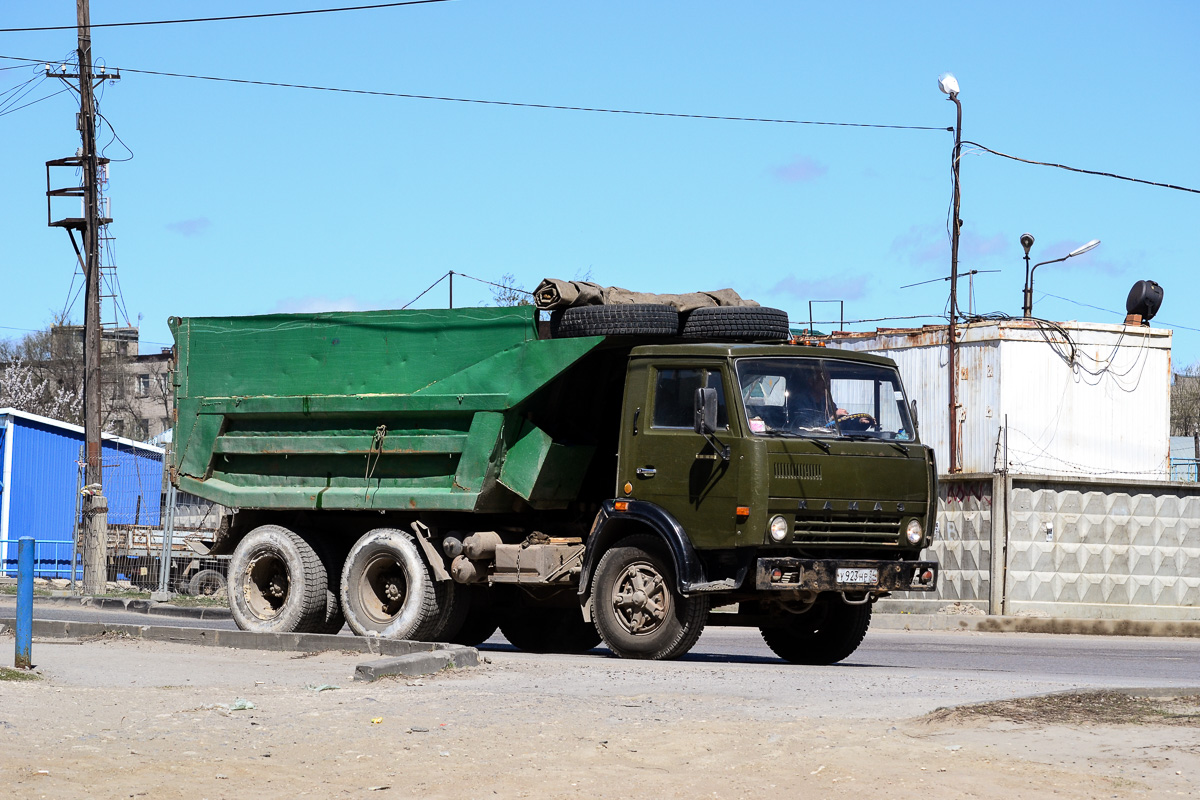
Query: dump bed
(415, 410)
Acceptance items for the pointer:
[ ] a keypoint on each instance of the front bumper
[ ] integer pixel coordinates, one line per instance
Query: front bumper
(821, 575)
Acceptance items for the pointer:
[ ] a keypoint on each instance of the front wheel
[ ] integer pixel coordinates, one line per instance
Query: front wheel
(825, 634)
(636, 607)
(277, 583)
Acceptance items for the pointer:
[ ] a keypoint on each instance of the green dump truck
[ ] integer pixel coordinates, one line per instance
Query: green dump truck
(440, 474)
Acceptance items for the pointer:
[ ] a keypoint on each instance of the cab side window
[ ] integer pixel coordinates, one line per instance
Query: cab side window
(675, 393)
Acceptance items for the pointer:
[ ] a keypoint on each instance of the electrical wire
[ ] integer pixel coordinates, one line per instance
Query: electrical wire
(1118, 313)
(222, 19)
(493, 283)
(33, 102)
(422, 294)
(514, 104)
(1084, 171)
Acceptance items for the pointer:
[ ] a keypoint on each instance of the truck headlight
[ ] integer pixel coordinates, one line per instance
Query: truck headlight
(778, 529)
(914, 532)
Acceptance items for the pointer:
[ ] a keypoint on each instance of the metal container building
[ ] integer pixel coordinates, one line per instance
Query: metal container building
(41, 483)
(1037, 398)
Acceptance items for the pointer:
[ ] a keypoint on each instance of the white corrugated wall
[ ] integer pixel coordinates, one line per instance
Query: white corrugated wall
(1107, 414)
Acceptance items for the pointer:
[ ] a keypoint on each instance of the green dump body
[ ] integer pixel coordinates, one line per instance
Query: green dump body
(429, 410)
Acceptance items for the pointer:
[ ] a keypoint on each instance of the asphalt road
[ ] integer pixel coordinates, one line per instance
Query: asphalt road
(946, 655)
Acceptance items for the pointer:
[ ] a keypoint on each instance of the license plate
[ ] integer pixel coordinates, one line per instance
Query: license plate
(858, 575)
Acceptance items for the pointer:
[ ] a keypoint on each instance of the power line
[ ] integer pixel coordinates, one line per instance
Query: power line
(223, 19)
(32, 102)
(1110, 311)
(1084, 171)
(513, 104)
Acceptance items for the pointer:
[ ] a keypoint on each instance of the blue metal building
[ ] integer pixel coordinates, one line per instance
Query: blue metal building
(40, 483)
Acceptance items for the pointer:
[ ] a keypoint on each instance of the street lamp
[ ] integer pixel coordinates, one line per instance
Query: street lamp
(1027, 310)
(949, 85)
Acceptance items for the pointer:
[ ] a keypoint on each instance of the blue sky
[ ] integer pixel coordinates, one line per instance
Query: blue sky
(246, 199)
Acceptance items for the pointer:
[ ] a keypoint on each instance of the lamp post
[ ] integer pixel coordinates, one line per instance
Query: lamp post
(949, 85)
(1027, 308)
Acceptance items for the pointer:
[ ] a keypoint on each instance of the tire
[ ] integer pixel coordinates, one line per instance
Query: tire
(206, 583)
(481, 620)
(549, 630)
(277, 583)
(635, 319)
(826, 634)
(659, 624)
(455, 607)
(332, 558)
(736, 322)
(386, 588)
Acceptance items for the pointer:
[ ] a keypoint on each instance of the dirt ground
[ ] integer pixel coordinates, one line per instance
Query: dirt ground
(127, 718)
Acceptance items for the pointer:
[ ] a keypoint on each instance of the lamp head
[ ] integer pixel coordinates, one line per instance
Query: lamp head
(948, 83)
(1083, 248)
(1027, 242)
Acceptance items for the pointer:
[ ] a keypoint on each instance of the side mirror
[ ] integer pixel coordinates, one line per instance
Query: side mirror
(705, 409)
(912, 409)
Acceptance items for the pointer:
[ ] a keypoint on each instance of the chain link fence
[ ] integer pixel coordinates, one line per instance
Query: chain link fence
(152, 529)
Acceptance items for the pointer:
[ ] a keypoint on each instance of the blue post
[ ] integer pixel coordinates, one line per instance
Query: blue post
(24, 603)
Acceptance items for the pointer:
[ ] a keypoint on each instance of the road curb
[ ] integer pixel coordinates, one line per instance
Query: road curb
(1009, 624)
(136, 605)
(423, 658)
(417, 664)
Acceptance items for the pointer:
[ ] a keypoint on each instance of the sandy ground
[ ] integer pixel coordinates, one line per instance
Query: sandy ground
(125, 718)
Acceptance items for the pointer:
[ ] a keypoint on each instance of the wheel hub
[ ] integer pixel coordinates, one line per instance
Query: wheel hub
(641, 599)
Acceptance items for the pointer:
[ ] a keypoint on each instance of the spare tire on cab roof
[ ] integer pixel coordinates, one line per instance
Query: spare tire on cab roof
(753, 323)
(633, 319)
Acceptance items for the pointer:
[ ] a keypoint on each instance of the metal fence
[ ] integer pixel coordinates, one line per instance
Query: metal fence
(149, 525)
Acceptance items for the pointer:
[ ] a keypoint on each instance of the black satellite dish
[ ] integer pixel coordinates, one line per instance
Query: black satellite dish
(1144, 300)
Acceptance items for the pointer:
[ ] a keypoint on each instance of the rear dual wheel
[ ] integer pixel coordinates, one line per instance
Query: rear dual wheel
(387, 591)
(277, 583)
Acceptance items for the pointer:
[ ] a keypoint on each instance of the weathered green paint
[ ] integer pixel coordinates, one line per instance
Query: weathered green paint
(384, 410)
(538, 469)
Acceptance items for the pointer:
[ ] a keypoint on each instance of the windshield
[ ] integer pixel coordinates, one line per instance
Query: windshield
(823, 397)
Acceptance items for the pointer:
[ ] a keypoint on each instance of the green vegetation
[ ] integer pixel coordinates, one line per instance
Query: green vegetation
(10, 674)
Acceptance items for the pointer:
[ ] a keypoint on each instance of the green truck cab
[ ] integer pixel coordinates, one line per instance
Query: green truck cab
(439, 474)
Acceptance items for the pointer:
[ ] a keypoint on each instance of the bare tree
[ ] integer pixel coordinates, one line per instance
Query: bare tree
(1185, 402)
(506, 292)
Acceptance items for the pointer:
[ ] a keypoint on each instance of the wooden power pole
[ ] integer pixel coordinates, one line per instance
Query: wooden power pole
(95, 506)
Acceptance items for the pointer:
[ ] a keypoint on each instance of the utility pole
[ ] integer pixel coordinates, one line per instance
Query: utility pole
(94, 507)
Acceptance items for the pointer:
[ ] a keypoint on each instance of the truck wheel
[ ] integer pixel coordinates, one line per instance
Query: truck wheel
(826, 634)
(636, 607)
(481, 621)
(206, 583)
(639, 319)
(549, 630)
(332, 558)
(736, 322)
(277, 583)
(387, 589)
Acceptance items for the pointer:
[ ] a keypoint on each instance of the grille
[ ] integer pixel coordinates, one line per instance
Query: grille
(798, 472)
(835, 528)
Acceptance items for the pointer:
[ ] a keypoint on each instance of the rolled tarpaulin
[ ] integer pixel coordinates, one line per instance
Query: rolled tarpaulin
(553, 293)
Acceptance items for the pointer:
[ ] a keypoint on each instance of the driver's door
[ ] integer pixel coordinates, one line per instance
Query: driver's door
(667, 463)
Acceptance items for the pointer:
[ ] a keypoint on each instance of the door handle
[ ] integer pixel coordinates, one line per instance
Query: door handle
(646, 472)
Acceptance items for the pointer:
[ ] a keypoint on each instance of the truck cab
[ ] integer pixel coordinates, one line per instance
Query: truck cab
(785, 479)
